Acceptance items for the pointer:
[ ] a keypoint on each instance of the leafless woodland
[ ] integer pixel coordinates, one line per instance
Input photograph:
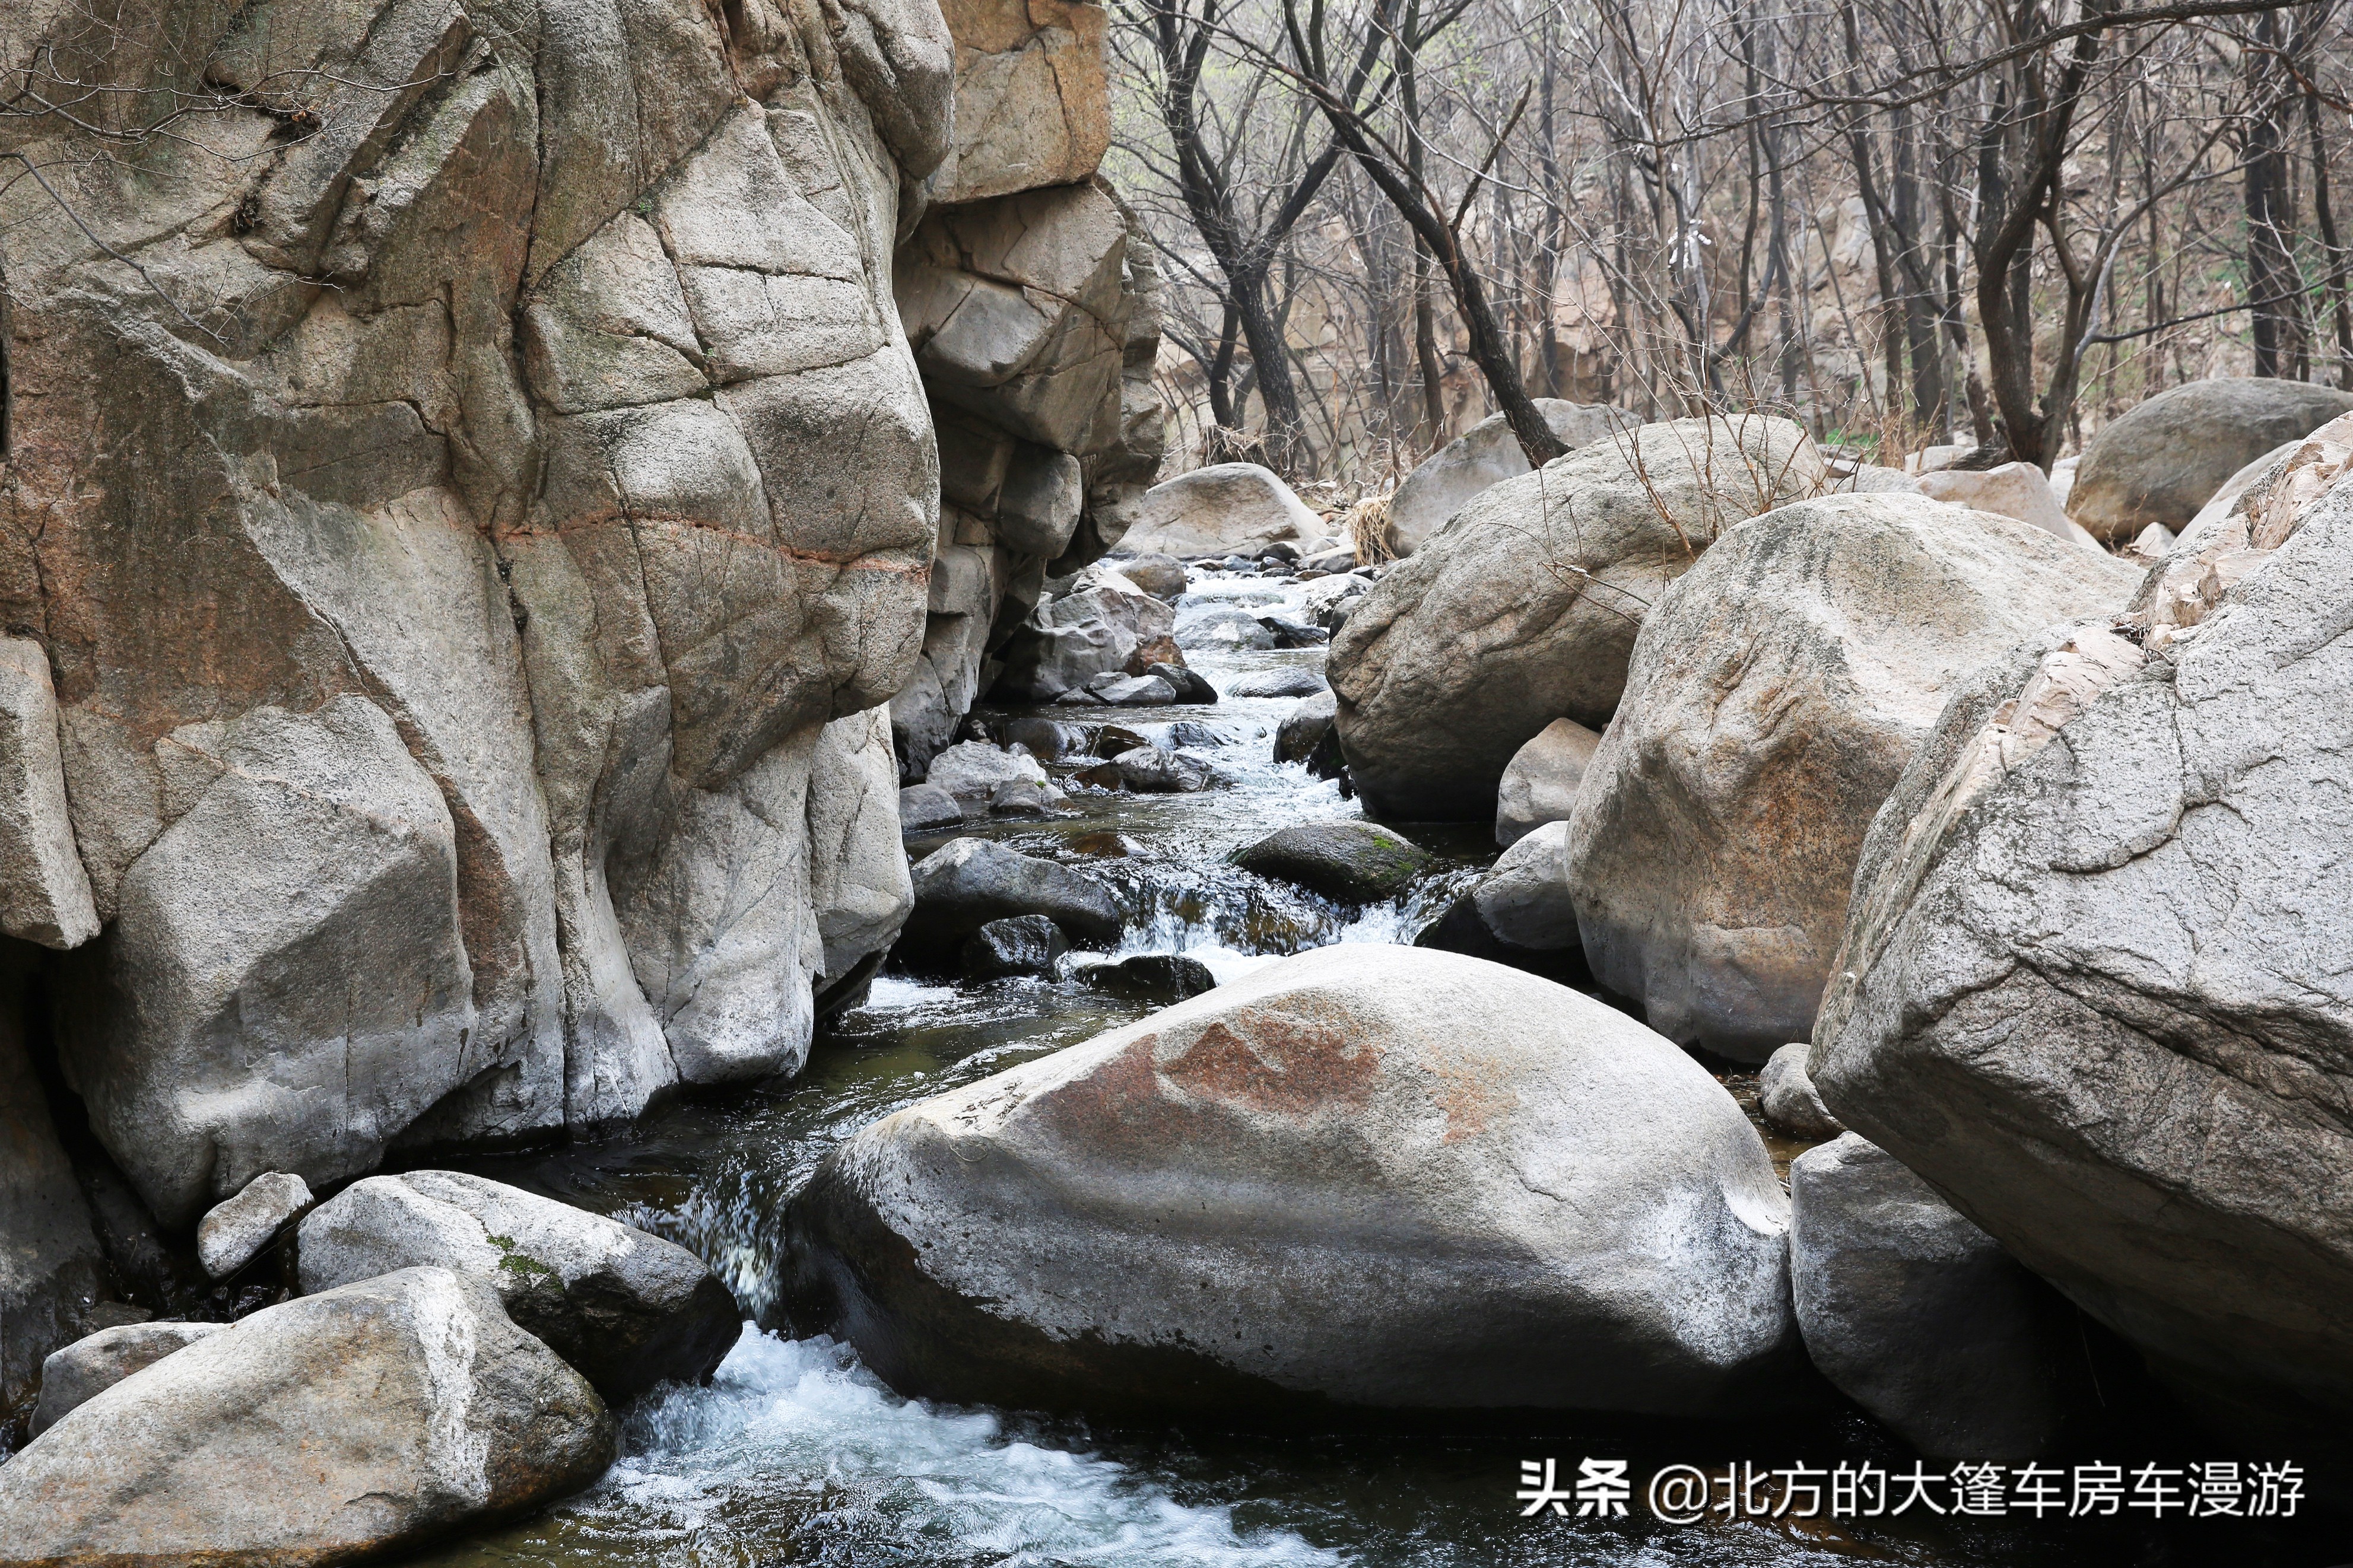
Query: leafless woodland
(1908, 222)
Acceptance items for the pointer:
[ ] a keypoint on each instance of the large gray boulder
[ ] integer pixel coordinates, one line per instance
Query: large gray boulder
(1523, 608)
(1097, 628)
(441, 632)
(1541, 784)
(1487, 454)
(628, 1310)
(1777, 691)
(1282, 1196)
(77, 1373)
(1227, 508)
(2093, 986)
(357, 1424)
(1920, 1317)
(2164, 458)
(968, 882)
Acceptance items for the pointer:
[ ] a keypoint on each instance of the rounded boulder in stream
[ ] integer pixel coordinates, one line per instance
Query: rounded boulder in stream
(1368, 1178)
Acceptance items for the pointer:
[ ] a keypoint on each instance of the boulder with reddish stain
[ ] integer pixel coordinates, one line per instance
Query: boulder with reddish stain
(1366, 1178)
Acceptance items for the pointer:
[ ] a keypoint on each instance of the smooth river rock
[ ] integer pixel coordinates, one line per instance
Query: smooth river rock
(628, 1310)
(1481, 458)
(357, 1424)
(968, 882)
(1227, 508)
(2161, 460)
(1277, 1200)
(2095, 987)
(1920, 1317)
(1523, 608)
(1354, 862)
(232, 1234)
(1787, 1098)
(1777, 691)
(1541, 784)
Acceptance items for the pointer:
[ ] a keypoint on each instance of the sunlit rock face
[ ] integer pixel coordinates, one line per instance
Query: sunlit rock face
(467, 482)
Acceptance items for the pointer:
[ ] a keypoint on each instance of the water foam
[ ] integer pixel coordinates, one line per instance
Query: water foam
(794, 1440)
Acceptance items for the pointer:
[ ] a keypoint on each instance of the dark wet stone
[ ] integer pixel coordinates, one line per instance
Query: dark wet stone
(1023, 944)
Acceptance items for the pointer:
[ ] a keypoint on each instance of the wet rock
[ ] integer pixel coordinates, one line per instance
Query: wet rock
(1484, 455)
(1096, 629)
(43, 892)
(1156, 770)
(1164, 978)
(1786, 1094)
(1024, 944)
(2162, 459)
(1777, 691)
(1290, 680)
(2014, 489)
(233, 1234)
(1048, 740)
(1234, 510)
(967, 883)
(926, 805)
(1162, 576)
(1352, 862)
(2083, 990)
(1025, 797)
(1524, 609)
(1292, 634)
(1216, 625)
(1305, 736)
(1274, 1199)
(356, 1423)
(1920, 1317)
(74, 1376)
(1541, 784)
(628, 1310)
(974, 770)
(1342, 559)
(1132, 690)
(1190, 684)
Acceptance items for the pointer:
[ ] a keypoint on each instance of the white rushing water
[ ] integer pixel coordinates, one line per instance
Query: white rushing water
(794, 1440)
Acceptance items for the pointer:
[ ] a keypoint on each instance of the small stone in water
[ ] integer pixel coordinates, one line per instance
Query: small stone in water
(1024, 944)
(1162, 977)
(1191, 687)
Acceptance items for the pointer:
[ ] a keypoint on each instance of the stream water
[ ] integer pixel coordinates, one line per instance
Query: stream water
(795, 1455)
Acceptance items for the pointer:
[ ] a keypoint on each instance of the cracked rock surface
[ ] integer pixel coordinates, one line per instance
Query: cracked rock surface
(2091, 987)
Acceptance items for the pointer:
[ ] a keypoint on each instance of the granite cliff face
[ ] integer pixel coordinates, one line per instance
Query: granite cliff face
(1030, 299)
(467, 496)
